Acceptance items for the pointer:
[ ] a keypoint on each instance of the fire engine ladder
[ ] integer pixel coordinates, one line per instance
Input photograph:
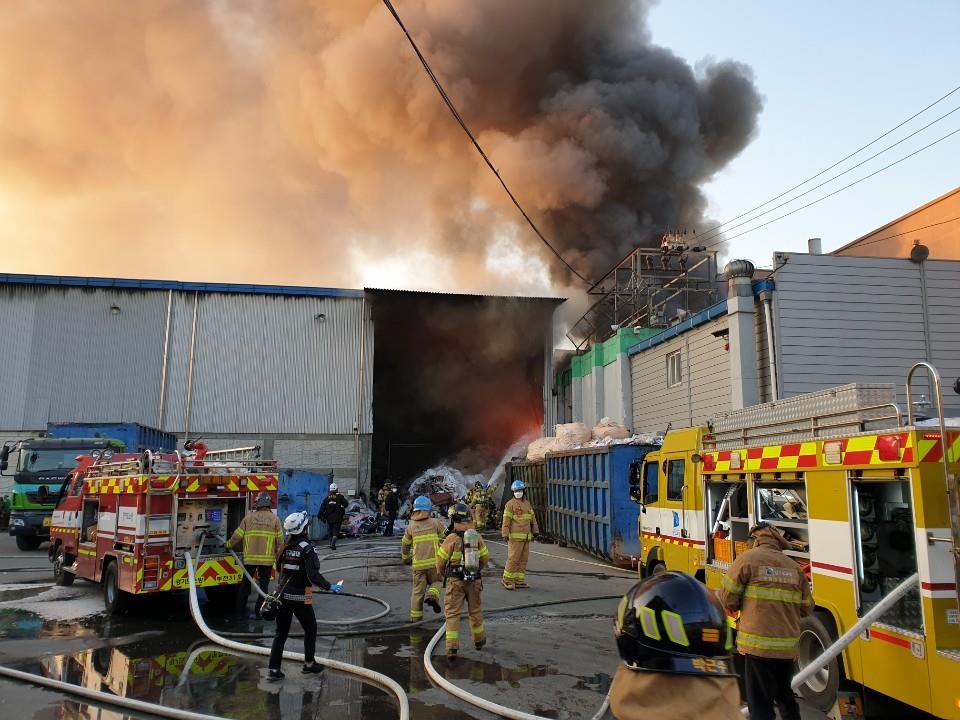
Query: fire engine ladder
(243, 454)
(724, 510)
(950, 476)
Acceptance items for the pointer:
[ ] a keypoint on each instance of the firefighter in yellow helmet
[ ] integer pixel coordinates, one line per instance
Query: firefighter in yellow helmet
(419, 546)
(772, 594)
(460, 560)
(674, 647)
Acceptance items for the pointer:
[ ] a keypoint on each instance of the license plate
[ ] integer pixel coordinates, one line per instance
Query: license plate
(47, 521)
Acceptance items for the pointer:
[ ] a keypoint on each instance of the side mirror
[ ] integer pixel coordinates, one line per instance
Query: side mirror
(636, 474)
(4, 454)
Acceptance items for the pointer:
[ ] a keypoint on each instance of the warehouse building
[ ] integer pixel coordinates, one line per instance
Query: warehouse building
(299, 371)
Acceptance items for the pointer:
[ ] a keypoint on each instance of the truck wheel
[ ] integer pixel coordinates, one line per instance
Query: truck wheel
(114, 599)
(61, 560)
(815, 637)
(28, 542)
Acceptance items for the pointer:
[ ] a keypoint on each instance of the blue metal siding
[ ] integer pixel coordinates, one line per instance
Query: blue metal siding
(136, 437)
(588, 501)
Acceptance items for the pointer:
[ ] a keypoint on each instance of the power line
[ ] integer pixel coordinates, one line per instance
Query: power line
(907, 232)
(460, 121)
(845, 187)
(830, 180)
(842, 160)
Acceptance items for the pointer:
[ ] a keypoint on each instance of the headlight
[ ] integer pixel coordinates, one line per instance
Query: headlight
(18, 522)
(107, 454)
(95, 454)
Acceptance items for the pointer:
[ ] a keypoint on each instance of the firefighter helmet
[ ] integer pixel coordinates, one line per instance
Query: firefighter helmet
(517, 486)
(460, 512)
(296, 522)
(671, 623)
(422, 503)
(333, 487)
(263, 500)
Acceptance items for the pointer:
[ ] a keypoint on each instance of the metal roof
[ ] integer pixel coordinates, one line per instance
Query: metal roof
(136, 284)
(437, 293)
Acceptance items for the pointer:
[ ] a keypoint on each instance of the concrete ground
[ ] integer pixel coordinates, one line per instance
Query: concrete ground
(552, 660)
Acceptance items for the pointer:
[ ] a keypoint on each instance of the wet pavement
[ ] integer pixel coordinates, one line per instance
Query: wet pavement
(555, 660)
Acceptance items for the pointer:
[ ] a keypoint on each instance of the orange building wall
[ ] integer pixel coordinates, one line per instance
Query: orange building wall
(942, 240)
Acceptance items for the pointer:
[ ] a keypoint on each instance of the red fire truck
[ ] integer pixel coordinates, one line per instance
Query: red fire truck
(127, 523)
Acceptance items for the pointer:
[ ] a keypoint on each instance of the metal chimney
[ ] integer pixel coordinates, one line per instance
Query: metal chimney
(815, 246)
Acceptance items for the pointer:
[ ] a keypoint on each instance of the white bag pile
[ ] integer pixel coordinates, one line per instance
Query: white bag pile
(608, 428)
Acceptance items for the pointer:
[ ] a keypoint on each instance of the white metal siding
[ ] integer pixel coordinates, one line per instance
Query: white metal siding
(612, 392)
(860, 319)
(588, 407)
(705, 389)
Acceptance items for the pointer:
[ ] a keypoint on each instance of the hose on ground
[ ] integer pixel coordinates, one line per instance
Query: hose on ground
(573, 560)
(377, 678)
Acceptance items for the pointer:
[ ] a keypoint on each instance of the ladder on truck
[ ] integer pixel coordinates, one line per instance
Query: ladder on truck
(835, 412)
(950, 476)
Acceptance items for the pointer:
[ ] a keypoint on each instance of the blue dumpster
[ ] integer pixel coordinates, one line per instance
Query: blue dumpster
(303, 490)
(588, 501)
(135, 437)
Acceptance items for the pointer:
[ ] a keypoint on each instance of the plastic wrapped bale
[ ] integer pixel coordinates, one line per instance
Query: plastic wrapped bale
(571, 436)
(608, 428)
(538, 449)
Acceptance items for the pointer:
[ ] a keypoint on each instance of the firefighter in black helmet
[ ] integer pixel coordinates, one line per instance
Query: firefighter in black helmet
(675, 646)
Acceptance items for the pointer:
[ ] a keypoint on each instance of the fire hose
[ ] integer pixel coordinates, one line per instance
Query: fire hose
(381, 680)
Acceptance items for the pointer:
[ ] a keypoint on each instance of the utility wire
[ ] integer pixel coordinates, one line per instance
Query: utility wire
(460, 121)
(845, 187)
(825, 182)
(906, 232)
(838, 162)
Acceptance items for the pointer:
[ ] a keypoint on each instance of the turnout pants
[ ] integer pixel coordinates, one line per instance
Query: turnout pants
(334, 529)
(768, 683)
(262, 575)
(424, 581)
(308, 621)
(518, 553)
(457, 592)
(480, 515)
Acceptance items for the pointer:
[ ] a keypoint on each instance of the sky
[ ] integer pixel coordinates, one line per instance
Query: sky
(834, 76)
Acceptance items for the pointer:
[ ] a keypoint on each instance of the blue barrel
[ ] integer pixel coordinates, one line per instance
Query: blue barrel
(588, 501)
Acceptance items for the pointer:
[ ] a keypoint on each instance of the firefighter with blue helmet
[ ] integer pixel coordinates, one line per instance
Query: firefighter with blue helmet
(419, 546)
(518, 528)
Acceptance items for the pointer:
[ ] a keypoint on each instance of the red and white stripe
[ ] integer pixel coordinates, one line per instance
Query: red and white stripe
(937, 579)
(831, 549)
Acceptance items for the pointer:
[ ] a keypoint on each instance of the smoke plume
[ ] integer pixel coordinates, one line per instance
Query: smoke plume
(300, 141)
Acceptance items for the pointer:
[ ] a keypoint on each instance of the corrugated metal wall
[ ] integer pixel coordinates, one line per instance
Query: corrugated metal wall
(705, 389)
(860, 319)
(261, 363)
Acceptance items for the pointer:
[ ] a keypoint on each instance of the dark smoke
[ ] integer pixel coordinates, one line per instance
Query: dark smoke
(300, 140)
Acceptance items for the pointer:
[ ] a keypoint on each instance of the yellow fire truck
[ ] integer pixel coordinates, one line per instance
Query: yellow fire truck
(867, 499)
(128, 523)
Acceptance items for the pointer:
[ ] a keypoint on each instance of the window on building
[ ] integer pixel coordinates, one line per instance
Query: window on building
(674, 373)
(675, 471)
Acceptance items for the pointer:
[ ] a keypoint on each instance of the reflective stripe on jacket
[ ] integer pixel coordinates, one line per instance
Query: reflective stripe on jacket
(772, 594)
(421, 540)
(451, 551)
(519, 522)
(261, 535)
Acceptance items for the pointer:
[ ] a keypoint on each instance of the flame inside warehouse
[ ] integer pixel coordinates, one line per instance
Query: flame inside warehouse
(457, 379)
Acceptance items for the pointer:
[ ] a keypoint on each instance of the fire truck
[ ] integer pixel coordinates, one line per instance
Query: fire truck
(127, 523)
(866, 499)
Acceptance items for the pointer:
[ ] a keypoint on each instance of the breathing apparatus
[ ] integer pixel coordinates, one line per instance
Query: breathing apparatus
(468, 569)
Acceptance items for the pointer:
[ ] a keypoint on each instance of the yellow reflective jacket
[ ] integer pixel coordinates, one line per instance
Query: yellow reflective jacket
(421, 540)
(772, 594)
(519, 522)
(261, 534)
(451, 551)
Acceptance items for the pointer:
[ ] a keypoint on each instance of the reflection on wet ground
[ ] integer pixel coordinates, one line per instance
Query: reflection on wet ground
(177, 668)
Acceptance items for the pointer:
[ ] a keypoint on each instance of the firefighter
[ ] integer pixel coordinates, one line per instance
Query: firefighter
(674, 647)
(519, 527)
(261, 534)
(477, 500)
(419, 546)
(299, 570)
(332, 510)
(382, 498)
(392, 505)
(772, 594)
(460, 560)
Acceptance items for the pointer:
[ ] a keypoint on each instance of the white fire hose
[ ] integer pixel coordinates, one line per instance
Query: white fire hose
(824, 658)
(382, 680)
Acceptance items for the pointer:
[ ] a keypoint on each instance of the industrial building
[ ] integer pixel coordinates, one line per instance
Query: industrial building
(315, 376)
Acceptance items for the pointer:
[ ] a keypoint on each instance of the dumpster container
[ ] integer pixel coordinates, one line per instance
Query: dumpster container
(588, 501)
(303, 490)
(135, 437)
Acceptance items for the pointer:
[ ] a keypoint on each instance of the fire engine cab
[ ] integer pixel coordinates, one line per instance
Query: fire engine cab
(127, 523)
(867, 500)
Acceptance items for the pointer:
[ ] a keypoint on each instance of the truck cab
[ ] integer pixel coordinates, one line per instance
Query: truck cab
(39, 467)
(667, 486)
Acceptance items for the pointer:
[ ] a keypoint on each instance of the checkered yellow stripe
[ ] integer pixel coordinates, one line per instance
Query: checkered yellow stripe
(878, 450)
